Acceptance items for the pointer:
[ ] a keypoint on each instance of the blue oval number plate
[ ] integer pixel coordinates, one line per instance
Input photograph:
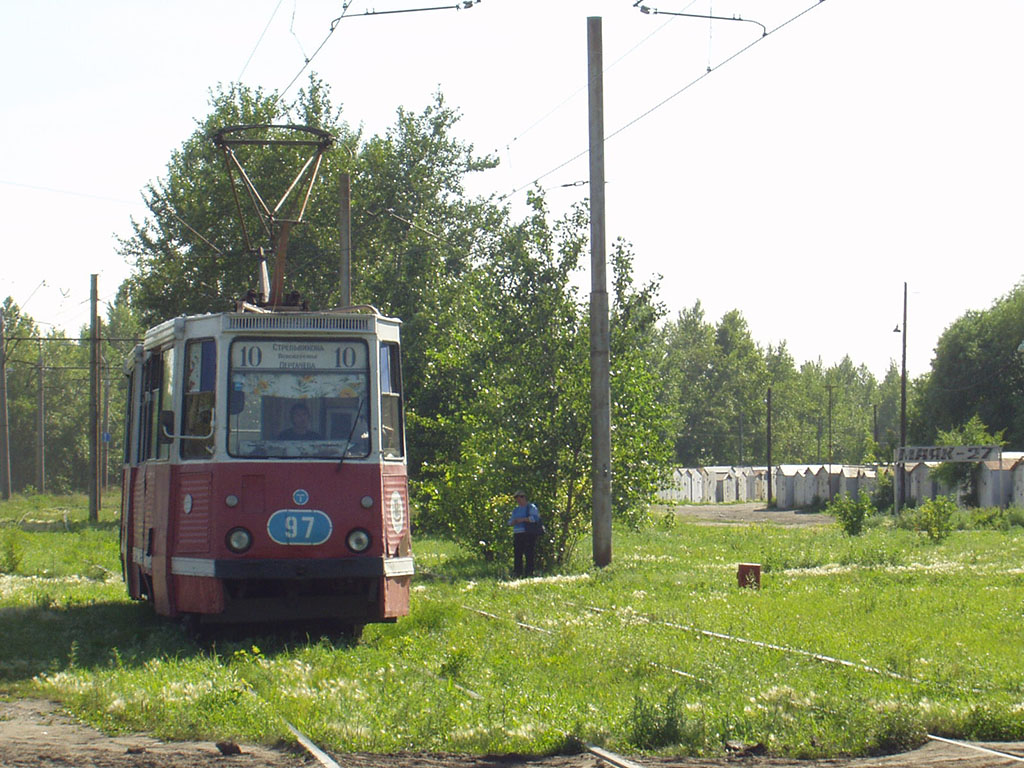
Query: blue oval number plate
(299, 526)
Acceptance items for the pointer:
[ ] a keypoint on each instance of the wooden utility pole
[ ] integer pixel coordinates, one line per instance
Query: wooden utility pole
(5, 436)
(345, 239)
(105, 453)
(94, 402)
(600, 366)
(40, 425)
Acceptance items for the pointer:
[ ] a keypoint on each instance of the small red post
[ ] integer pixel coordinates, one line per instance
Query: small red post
(749, 575)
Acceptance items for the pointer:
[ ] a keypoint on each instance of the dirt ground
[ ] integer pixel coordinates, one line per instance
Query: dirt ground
(747, 512)
(39, 734)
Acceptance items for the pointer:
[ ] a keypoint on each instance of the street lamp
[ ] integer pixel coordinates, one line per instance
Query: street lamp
(902, 497)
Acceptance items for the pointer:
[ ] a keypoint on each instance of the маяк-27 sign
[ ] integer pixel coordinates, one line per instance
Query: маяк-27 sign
(910, 453)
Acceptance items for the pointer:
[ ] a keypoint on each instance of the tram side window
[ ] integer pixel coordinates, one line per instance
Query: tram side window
(149, 406)
(198, 399)
(129, 416)
(164, 424)
(391, 441)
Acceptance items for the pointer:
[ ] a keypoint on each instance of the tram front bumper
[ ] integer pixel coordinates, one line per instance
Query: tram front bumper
(297, 568)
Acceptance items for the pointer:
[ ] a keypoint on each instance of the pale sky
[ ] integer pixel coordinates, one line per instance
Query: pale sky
(864, 144)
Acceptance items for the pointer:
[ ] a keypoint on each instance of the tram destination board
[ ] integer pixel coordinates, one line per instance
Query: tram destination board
(267, 354)
(955, 453)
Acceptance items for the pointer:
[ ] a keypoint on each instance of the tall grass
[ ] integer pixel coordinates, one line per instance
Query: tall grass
(620, 656)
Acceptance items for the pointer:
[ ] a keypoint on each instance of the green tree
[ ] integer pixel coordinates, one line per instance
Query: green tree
(189, 253)
(527, 423)
(22, 356)
(978, 370)
(495, 341)
(687, 374)
(959, 475)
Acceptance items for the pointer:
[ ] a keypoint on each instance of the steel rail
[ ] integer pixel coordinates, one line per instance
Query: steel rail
(621, 762)
(986, 750)
(322, 757)
(609, 757)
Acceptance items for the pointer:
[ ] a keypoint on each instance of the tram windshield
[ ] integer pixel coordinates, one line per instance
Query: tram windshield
(303, 398)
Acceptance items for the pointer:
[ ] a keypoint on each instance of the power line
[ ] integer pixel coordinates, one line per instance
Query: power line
(583, 87)
(461, 5)
(309, 59)
(664, 101)
(262, 35)
(73, 339)
(71, 192)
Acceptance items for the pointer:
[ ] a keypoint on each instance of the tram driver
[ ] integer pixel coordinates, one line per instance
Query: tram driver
(299, 430)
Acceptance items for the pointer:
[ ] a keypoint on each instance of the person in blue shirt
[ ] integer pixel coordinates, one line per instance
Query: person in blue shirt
(524, 542)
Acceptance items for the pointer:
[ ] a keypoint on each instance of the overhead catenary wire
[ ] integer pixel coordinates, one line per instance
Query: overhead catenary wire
(463, 4)
(583, 87)
(260, 40)
(664, 101)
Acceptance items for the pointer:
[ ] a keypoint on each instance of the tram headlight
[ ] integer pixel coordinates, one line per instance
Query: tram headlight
(239, 540)
(358, 540)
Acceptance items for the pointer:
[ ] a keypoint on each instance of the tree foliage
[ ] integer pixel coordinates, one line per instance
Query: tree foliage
(496, 351)
(978, 370)
(715, 385)
(495, 337)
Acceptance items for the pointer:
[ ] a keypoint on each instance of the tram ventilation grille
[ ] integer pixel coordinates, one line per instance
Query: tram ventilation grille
(298, 323)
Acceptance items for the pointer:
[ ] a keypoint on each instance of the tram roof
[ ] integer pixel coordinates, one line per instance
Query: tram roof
(361, 319)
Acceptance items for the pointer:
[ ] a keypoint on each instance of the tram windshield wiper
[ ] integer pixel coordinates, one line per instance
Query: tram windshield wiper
(352, 431)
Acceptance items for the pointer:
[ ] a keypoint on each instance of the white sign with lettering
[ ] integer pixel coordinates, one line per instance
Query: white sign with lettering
(298, 355)
(962, 453)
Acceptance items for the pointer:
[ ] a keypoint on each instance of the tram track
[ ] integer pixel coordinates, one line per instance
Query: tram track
(622, 762)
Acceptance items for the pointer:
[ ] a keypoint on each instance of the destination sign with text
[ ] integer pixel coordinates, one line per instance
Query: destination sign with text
(909, 453)
(300, 355)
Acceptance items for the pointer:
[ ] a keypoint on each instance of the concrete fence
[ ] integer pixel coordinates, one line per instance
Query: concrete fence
(796, 486)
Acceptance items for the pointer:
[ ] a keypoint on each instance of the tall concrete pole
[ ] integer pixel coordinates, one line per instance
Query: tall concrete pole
(345, 239)
(903, 405)
(600, 366)
(94, 402)
(40, 426)
(769, 443)
(5, 434)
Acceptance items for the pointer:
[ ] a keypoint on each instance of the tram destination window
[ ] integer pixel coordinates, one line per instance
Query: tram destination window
(299, 398)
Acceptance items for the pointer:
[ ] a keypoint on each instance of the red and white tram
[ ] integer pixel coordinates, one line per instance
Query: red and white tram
(265, 472)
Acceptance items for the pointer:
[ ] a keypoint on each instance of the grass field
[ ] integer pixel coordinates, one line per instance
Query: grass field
(624, 656)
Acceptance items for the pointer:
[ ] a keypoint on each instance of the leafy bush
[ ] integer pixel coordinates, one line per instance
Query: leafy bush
(10, 552)
(898, 729)
(850, 513)
(882, 497)
(933, 517)
(653, 726)
(994, 518)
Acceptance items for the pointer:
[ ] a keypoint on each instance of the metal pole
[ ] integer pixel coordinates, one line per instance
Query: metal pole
(600, 366)
(829, 387)
(903, 404)
(345, 237)
(94, 410)
(105, 459)
(741, 438)
(40, 426)
(769, 420)
(5, 437)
